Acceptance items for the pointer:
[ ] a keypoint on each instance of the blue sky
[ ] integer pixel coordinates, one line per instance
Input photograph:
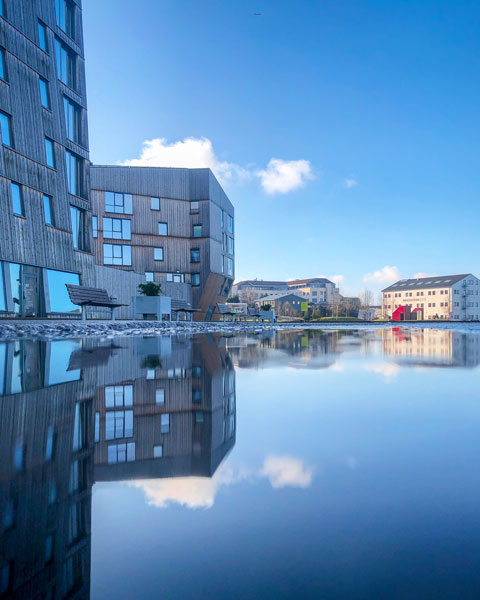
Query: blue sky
(371, 110)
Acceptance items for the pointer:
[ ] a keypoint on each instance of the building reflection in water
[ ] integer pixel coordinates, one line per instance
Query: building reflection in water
(76, 412)
(431, 347)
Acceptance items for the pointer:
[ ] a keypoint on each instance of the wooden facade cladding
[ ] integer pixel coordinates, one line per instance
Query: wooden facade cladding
(30, 240)
(176, 189)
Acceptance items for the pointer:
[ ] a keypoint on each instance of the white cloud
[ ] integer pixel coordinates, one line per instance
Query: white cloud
(191, 153)
(192, 492)
(350, 183)
(388, 370)
(279, 177)
(386, 274)
(282, 176)
(283, 471)
(338, 279)
(421, 274)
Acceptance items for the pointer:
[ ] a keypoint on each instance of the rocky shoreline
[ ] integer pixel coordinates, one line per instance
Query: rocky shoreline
(48, 330)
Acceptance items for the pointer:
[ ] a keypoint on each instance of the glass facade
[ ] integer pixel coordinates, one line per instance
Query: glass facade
(66, 65)
(57, 292)
(65, 16)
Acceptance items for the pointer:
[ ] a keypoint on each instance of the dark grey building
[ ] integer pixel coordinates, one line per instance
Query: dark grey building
(45, 220)
(171, 226)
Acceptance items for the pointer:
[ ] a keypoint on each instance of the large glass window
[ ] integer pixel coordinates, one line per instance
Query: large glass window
(118, 396)
(115, 254)
(17, 199)
(195, 255)
(65, 16)
(197, 231)
(6, 129)
(48, 209)
(230, 245)
(118, 203)
(118, 424)
(74, 173)
(44, 95)
(50, 153)
(162, 228)
(230, 224)
(95, 226)
(158, 253)
(195, 279)
(78, 227)
(72, 119)
(118, 229)
(42, 37)
(3, 65)
(66, 65)
(120, 453)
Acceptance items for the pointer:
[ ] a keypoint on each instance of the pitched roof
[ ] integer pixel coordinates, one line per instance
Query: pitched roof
(426, 282)
(273, 297)
(259, 283)
(311, 280)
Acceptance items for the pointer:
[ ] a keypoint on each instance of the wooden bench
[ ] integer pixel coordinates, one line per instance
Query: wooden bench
(182, 306)
(86, 296)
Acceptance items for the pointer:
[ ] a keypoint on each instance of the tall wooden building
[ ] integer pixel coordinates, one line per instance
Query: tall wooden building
(45, 220)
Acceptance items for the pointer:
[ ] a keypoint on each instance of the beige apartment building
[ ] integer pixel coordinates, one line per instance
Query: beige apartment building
(446, 297)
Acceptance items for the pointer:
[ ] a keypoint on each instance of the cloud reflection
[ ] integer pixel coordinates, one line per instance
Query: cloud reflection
(388, 370)
(200, 492)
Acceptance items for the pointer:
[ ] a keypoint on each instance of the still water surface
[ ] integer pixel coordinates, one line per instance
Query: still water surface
(306, 464)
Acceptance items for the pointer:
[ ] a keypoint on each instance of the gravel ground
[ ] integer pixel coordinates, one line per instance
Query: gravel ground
(11, 330)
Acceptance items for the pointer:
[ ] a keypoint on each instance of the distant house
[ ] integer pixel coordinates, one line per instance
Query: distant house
(445, 297)
(371, 313)
(286, 305)
(316, 290)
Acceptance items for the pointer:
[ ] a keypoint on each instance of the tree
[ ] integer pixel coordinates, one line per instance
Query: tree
(150, 289)
(234, 298)
(366, 301)
(266, 306)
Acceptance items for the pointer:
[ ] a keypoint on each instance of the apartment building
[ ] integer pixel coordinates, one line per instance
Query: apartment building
(174, 226)
(317, 290)
(45, 207)
(447, 297)
(171, 226)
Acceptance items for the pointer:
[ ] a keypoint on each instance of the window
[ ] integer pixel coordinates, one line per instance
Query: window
(57, 292)
(2, 10)
(162, 228)
(17, 199)
(42, 37)
(118, 424)
(44, 95)
(158, 253)
(150, 374)
(95, 226)
(229, 266)
(6, 128)
(222, 219)
(74, 173)
(197, 231)
(78, 228)
(158, 451)
(114, 254)
(49, 443)
(118, 396)
(165, 423)
(66, 65)
(120, 453)
(194, 207)
(176, 277)
(48, 209)
(195, 279)
(72, 119)
(230, 246)
(80, 432)
(65, 16)
(230, 224)
(160, 396)
(148, 276)
(195, 255)
(118, 203)
(118, 229)
(50, 153)
(3, 65)
(97, 427)
(196, 396)
(155, 203)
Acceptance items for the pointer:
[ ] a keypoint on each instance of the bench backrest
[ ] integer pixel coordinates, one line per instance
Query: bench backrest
(180, 305)
(85, 295)
(224, 309)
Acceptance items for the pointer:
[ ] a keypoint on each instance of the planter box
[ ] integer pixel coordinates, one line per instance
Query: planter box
(152, 307)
